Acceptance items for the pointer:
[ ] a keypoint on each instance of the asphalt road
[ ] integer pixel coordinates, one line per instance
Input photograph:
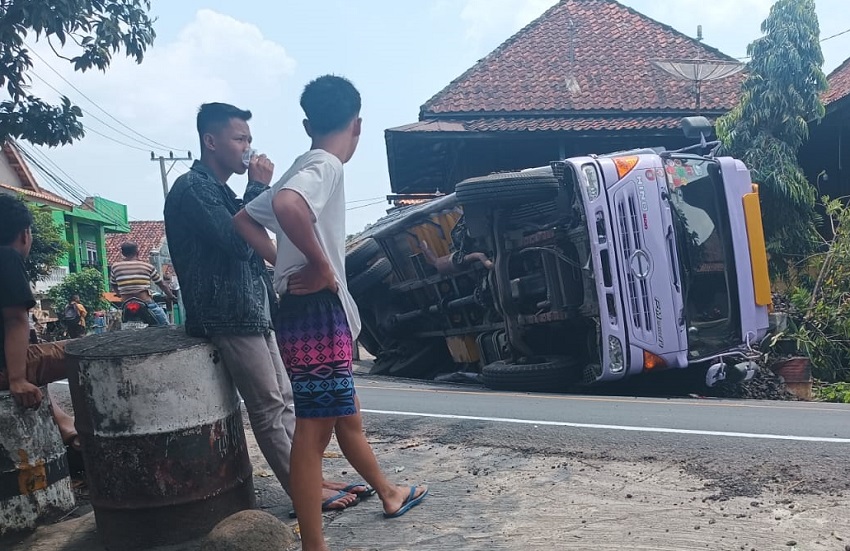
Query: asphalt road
(736, 446)
(710, 418)
(514, 471)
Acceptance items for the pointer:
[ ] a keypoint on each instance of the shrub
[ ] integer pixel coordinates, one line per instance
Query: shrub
(88, 284)
(821, 304)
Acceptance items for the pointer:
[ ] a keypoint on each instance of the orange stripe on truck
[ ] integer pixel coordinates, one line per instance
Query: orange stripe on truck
(758, 253)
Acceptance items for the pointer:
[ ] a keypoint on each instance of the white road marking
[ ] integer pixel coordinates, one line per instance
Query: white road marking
(614, 427)
(603, 427)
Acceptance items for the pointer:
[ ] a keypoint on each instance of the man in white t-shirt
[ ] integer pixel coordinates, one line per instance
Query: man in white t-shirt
(318, 320)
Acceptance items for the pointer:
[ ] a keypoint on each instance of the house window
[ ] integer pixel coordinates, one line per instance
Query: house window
(91, 252)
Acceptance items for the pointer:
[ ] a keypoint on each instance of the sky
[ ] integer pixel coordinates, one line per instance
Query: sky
(259, 54)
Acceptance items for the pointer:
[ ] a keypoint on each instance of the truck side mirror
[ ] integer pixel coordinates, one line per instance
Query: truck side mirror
(696, 128)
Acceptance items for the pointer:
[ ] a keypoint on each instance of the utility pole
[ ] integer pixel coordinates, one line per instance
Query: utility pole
(163, 172)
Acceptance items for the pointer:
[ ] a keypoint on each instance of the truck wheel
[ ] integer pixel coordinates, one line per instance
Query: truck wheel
(508, 187)
(371, 278)
(540, 375)
(359, 255)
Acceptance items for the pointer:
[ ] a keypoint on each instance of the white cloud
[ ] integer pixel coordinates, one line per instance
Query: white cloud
(213, 58)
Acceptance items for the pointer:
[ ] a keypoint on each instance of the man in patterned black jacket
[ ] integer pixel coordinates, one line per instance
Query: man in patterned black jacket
(226, 289)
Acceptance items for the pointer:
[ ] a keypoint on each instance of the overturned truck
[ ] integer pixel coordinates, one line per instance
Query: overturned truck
(590, 270)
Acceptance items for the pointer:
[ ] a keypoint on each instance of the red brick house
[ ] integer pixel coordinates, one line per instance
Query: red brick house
(579, 79)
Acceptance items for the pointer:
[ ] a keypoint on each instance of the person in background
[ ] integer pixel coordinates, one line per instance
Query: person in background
(132, 278)
(33, 329)
(99, 322)
(74, 317)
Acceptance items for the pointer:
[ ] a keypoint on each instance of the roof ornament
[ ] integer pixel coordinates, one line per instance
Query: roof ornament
(573, 87)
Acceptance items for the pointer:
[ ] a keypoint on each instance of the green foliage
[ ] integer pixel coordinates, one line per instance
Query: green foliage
(780, 96)
(88, 284)
(821, 303)
(836, 392)
(94, 29)
(48, 245)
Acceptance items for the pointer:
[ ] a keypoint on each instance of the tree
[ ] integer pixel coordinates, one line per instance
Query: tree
(94, 29)
(48, 245)
(88, 284)
(780, 97)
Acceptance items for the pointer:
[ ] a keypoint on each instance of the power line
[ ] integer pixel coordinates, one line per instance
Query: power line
(44, 157)
(89, 128)
(367, 205)
(835, 35)
(75, 191)
(105, 112)
(119, 142)
(365, 200)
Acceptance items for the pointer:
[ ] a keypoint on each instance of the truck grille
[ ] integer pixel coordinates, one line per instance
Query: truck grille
(631, 237)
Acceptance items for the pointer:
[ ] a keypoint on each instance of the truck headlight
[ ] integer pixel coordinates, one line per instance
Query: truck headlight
(591, 181)
(616, 359)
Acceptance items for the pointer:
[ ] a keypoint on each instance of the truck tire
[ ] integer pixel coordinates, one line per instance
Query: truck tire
(553, 374)
(358, 256)
(507, 188)
(359, 285)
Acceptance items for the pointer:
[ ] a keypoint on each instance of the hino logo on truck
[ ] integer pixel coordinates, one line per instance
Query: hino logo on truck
(658, 323)
(641, 189)
(644, 205)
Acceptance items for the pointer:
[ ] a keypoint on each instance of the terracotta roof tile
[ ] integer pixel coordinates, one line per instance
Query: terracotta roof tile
(43, 195)
(545, 124)
(839, 83)
(147, 234)
(585, 55)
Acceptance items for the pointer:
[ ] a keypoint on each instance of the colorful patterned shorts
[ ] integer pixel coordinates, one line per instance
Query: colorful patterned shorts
(316, 346)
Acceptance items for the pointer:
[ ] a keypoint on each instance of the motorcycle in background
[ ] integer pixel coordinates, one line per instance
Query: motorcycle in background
(135, 314)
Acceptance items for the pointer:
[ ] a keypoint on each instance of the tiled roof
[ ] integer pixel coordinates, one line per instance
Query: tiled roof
(147, 234)
(544, 124)
(41, 195)
(839, 83)
(585, 55)
(16, 161)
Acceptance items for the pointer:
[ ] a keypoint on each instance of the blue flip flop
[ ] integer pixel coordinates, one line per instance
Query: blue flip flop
(368, 492)
(408, 504)
(326, 504)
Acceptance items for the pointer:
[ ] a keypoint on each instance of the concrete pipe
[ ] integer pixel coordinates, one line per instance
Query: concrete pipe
(34, 482)
(161, 429)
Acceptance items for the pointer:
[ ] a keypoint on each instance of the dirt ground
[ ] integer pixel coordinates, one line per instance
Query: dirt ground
(495, 491)
(487, 498)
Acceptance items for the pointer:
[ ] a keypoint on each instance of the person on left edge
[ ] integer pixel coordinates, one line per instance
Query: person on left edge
(132, 278)
(25, 367)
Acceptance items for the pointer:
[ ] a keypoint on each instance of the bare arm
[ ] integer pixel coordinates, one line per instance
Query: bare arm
(165, 289)
(17, 330)
(255, 235)
(296, 219)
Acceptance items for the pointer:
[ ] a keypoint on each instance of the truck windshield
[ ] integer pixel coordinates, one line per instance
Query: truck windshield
(706, 259)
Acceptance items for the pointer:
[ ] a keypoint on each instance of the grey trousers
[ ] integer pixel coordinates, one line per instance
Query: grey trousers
(257, 369)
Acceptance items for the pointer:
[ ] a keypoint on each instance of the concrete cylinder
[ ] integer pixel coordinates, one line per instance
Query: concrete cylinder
(161, 428)
(34, 482)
